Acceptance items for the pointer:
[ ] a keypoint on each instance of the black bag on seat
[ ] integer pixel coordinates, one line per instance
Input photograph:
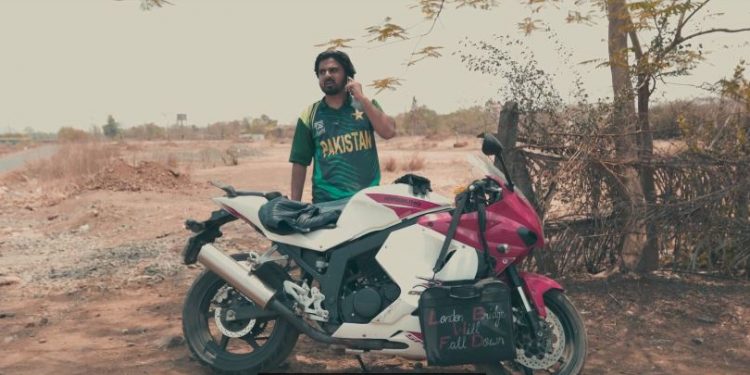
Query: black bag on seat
(284, 216)
(467, 323)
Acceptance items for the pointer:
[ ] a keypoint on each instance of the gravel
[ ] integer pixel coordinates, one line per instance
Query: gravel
(71, 261)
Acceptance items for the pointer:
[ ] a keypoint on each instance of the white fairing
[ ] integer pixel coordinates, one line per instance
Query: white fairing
(408, 256)
(361, 215)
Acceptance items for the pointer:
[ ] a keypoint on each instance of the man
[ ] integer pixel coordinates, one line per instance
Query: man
(337, 133)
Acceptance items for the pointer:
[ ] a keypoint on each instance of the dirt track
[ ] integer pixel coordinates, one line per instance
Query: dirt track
(94, 282)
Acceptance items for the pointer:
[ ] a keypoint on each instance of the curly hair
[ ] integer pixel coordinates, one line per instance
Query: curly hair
(340, 57)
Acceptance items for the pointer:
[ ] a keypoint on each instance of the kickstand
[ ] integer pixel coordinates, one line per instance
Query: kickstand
(362, 364)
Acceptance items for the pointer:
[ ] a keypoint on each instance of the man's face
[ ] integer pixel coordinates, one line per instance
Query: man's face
(331, 76)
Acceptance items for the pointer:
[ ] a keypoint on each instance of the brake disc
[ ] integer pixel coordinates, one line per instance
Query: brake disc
(557, 341)
(222, 318)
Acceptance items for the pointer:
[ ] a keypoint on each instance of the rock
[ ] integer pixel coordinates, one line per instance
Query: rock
(4, 314)
(170, 342)
(43, 321)
(9, 280)
(42, 341)
(52, 217)
(29, 208)
(83, 228)
(706, 319)
(697, 340)
(8, 339)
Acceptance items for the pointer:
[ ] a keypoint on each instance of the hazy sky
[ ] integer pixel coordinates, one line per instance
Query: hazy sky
(71, 63)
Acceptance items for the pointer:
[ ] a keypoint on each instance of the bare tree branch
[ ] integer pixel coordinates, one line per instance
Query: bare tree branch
(434, 21)
(714, 31)
(697, 9)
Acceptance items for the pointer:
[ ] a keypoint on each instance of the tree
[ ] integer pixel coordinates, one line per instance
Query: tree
(262, 125)
(669, 54)
(635, 67)
(69, 134)
(112, 128)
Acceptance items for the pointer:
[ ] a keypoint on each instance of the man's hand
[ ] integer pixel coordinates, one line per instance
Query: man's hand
(383, 124)
(355, 88)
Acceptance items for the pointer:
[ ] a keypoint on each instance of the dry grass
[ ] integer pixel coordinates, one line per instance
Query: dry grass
(390, 164)
(71, 162)
(171, 160)
(416, 163)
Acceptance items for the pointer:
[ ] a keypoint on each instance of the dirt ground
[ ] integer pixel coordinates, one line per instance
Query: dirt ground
(91, 279)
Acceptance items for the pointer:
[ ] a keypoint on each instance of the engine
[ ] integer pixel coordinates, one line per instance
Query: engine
(367, 290)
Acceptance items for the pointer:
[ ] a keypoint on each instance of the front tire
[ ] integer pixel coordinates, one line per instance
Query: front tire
(561, 313)
(232, 346)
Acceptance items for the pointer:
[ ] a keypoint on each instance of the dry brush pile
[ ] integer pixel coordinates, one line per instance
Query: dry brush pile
(699, 212)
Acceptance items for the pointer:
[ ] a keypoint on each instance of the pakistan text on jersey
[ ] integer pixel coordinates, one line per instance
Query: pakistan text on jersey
(350, 142)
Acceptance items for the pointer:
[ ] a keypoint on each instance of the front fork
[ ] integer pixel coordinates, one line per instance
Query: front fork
(528, 312)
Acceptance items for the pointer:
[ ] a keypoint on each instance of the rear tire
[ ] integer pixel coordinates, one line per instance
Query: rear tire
(264, 347)
(573, 357)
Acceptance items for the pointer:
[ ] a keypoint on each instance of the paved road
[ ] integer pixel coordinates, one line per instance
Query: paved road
(17, 159)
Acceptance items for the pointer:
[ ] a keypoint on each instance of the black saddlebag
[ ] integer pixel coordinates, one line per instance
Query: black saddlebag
(467, 323)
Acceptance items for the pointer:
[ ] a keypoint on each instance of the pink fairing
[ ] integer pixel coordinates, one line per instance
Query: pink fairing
(536, 286)
(402, 206)
(504, 219)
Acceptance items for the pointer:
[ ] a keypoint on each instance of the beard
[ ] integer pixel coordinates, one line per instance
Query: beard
(330, 87)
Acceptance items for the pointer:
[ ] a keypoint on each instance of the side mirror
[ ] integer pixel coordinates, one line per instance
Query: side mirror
(490, 144)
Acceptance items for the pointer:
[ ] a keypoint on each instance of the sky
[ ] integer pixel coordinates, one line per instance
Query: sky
(74, 62)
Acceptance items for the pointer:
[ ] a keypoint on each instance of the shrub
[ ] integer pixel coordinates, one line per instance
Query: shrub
(415, 163)
(390, 164)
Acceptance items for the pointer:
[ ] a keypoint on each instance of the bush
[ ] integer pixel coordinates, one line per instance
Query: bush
(67, 135)
(390, 164)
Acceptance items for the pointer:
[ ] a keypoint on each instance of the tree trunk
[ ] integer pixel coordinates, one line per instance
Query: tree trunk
(630, 200)
(650, 258)
(507, 133)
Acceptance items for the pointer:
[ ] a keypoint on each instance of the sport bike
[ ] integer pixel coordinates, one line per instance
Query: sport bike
(352, 274)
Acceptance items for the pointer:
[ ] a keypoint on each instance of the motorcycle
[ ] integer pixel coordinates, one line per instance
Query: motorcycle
(360, 284)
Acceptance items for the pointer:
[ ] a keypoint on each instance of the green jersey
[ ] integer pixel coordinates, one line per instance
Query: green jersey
(342, 143)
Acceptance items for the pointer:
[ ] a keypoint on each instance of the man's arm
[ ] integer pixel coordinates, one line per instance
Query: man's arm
(301, 153)
(383, 124)
(299, 172)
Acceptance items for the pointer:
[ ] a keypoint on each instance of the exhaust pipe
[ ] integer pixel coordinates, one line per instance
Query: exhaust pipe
(236, 275)
(250, 285)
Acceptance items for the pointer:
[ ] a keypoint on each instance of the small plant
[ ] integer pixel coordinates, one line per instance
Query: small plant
(171, 161)
(390, 164)
(230, 156)
(415, 163)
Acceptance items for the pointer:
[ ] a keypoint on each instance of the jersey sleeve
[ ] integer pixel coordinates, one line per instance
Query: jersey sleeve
(302, 145)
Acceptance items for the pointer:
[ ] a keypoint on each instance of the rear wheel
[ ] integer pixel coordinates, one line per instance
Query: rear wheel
(565, 349)
(227, 344)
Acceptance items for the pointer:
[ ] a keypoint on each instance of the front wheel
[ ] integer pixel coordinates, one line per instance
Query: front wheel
(226, 344)
(566, 345)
